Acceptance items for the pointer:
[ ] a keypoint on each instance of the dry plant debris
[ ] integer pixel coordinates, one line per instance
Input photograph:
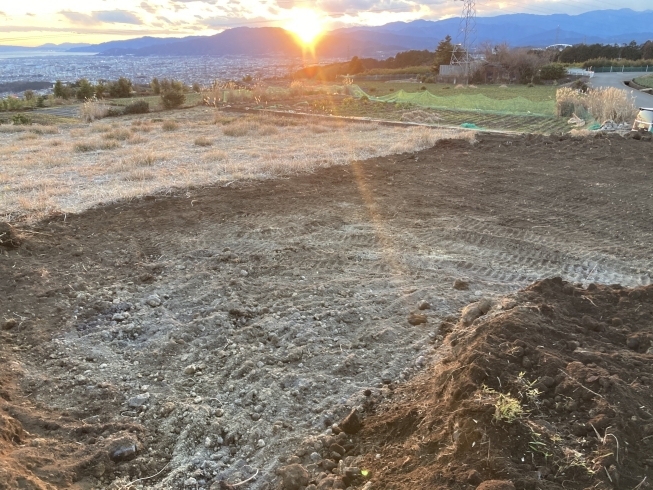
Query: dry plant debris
(75, 167)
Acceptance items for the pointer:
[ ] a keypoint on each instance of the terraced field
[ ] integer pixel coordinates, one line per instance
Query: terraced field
(203, 336)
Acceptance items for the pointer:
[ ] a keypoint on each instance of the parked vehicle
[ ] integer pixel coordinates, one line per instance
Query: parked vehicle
(644, 120)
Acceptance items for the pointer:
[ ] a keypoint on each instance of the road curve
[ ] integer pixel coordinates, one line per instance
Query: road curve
(617, 80)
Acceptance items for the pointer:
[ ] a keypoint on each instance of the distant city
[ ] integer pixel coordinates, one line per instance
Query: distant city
(189, 69)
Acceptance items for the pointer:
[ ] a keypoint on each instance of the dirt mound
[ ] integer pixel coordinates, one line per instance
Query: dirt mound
(551, 388)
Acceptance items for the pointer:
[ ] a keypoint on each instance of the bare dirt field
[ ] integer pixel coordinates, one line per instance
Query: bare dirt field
(213, 335)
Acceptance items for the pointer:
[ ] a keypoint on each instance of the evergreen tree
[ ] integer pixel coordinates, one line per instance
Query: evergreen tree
(85, 90)
(60, 90)
(443, 53)
(156, 88)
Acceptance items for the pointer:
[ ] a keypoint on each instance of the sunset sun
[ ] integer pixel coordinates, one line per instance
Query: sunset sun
(306, 24)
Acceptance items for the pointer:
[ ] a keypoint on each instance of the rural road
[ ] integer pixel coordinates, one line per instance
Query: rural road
(617, 80)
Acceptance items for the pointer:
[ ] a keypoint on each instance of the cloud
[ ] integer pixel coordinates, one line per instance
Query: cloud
(224, 22)
(102, 17)
(79, 18)
(148, 8)
(117, 17)
(89, 30)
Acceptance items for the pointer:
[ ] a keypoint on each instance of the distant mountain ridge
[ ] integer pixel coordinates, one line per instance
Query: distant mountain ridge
(43, 47)
(599, 26)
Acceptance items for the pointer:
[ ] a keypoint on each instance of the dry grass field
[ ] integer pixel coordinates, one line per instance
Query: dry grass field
(50, 169)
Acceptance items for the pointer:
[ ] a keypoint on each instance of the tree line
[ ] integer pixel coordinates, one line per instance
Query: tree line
(581, 53)
(172, 92)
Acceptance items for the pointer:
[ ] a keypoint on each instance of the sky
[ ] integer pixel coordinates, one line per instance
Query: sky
(35, 22)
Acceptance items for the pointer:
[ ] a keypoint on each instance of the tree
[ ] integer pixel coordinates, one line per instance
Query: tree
(122, 88)
(553, 71)
(443, 54)
(28, 94)
(172, 93)
(85, 90)
(61, 90)
(100, 90)
(355, 66)
(156, 88)
(647, 50)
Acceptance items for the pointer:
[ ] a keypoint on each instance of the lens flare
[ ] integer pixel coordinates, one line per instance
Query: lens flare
(306, 24)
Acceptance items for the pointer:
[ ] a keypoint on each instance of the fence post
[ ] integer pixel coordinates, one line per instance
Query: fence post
(622, 68)
(610, 68)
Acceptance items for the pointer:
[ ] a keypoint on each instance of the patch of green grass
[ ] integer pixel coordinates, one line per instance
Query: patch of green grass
(154, 101)
(645, 81)
(538, 93)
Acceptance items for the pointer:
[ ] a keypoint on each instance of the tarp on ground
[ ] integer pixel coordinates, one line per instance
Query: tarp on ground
(463, 101)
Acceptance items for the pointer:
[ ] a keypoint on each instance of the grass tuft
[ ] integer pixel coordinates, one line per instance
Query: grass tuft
(86, 146)
(169, 125)
(203, 141)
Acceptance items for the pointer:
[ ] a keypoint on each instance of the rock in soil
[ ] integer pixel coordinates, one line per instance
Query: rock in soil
(351, 424)
(294, 476)
(417, 318)
(9, 324)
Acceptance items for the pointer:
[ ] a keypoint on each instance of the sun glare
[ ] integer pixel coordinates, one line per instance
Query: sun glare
(306, 24)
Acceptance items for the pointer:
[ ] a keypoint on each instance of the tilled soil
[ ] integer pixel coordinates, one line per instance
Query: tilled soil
(205, 336)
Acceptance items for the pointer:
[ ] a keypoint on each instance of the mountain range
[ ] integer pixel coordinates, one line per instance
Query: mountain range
(599, 26)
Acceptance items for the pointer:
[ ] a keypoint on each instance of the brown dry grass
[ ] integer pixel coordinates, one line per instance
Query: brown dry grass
(600, 103)
(71, 168)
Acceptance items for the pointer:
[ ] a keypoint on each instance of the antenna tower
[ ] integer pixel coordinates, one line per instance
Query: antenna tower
(467, 32)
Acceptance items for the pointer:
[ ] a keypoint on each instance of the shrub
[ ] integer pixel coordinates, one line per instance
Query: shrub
(137, 107)
(19, 119)
(28, 94)
(118, 134)
(87, 146)
(553, 71)
(169, 125)
(202, 141)
(114, 112)
(93, 109)
(40, 101)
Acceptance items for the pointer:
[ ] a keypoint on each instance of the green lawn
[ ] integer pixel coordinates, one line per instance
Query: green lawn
(645, 81)
(538, 93)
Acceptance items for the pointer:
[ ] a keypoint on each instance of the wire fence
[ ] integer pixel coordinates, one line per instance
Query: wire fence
(623, 69)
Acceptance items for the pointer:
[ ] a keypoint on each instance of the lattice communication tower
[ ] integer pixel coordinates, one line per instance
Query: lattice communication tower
(467, 32)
